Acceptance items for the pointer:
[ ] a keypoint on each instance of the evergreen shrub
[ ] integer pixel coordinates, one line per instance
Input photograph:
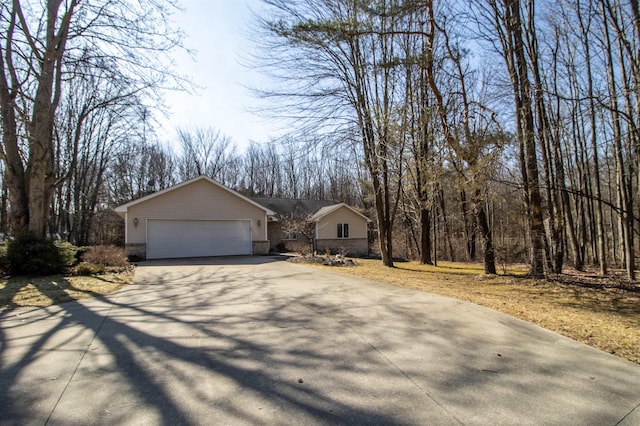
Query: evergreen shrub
(32, 254)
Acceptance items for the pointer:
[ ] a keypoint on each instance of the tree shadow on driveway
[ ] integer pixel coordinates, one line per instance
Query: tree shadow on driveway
(147, 359)
(287, 344)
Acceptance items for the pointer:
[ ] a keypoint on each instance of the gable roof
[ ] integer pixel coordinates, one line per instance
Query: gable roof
(122, 209)
(285, 207)
(324, 211)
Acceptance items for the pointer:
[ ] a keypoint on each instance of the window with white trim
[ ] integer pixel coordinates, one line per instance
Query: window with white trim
(343, 230)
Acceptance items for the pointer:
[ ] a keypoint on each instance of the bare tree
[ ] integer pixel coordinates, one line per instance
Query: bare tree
(507, 19)
(345, 54)
(205, 151)
(138, 168)
(41, 43)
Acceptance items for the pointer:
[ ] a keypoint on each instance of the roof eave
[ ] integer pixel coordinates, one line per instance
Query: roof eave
(316, 217)
(122, 209)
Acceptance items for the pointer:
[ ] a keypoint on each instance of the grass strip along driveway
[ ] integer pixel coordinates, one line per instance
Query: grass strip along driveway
(594, 310)
(30, 292)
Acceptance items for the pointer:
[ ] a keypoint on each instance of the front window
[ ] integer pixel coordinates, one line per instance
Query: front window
(290, 236)
(343, 230)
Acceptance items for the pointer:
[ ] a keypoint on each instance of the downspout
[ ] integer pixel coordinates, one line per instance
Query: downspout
(315, 238)
(126, 228)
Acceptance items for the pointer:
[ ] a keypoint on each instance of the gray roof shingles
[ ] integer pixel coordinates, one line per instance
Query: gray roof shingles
(285, 207)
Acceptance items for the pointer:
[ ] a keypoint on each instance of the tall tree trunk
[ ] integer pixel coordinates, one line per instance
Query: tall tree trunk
(601, 254)
(526, 134)
(487, 239)
(469, 227)
(555, 244)
(447, 229)
(425, 236)
(32, 186)
(578, 260)
(18, 216)
(624, 205)
(373, 109)
(564, 204)
(4, 196)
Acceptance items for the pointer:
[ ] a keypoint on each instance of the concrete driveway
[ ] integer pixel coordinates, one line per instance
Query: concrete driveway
(261, 341)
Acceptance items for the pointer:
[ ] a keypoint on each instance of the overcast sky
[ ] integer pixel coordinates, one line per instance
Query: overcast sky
(216, 30)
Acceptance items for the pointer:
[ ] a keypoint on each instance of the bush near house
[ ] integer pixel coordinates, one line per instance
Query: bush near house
(73, 279)
(29, 254)
(70, 253)
(101, 259)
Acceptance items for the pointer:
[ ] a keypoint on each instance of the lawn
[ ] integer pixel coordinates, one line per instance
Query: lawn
(601, 312)
(18, 292)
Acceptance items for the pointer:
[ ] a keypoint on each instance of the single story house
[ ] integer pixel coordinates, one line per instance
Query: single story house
(316, 225)
(201, 217)
(341, 228)
(196, 218)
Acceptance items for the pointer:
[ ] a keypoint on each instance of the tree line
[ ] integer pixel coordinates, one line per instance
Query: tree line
(541, 96)
(114, 170)
(493, 130)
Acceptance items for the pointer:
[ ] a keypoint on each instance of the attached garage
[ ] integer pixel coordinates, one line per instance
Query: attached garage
(197, 238)
(196, 218)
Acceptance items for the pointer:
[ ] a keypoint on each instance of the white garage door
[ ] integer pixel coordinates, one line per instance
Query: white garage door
(197, 238)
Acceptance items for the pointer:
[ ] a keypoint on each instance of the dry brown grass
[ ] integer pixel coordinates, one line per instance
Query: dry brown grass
(18, 292)
(597, 311)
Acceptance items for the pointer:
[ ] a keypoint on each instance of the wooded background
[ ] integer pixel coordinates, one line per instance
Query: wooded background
(493, 130)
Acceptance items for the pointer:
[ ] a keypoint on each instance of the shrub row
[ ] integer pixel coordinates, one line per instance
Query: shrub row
(31, 254)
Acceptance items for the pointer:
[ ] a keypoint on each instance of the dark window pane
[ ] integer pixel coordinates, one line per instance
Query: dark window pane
(339, 230)
(345, 230)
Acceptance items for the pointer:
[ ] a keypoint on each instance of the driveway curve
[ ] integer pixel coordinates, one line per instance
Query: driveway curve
(254, 340)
